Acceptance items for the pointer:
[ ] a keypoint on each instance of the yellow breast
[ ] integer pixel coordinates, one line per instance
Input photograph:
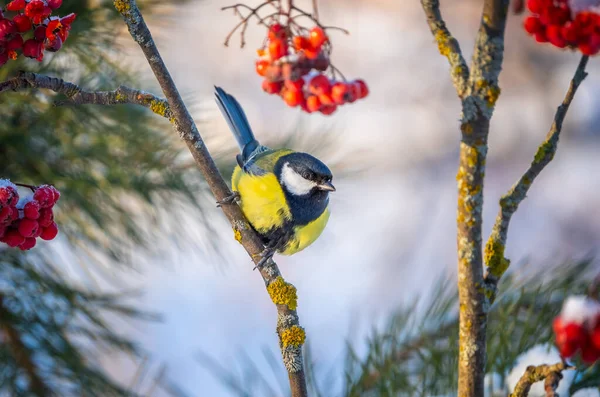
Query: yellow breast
(262, 199)
(307, 234)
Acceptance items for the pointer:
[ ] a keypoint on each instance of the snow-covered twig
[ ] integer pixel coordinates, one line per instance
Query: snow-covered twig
(536, 374)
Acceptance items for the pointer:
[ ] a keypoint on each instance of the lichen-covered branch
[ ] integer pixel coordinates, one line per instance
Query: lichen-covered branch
(535, 374)
(78, 96)
(447, 45)
(495, 261)
(22, 355)
(291, 335)
(477, 108)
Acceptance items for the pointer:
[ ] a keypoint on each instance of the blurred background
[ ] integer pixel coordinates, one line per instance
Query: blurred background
(135, 215)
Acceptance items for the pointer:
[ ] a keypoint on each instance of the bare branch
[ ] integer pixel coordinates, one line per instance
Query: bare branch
(447, 45)
(536, 374)
(78, 96)
(291, 335)
(495, 261)
(22, 354)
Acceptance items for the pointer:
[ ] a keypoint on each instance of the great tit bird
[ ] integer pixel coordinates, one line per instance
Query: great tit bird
(284, 194)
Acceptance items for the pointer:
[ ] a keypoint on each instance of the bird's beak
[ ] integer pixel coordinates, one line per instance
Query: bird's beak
(327, 186)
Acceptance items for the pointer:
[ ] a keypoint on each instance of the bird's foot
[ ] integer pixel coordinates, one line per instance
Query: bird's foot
(265, 255)
(231, 199)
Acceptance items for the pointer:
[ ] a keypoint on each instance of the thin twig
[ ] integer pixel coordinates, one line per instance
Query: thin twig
(31, 187)
(315, 9)
(291, 335)
(78, 96)
(495, 261)
(535, 374)
(244, 21)
(447, 45)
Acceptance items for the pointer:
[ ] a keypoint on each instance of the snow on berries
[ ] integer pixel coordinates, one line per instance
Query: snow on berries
(571, 24)
(32, 29)
(24, 219)
(295, 60)
(577, 329)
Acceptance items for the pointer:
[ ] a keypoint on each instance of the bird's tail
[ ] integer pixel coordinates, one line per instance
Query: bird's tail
(238, 123)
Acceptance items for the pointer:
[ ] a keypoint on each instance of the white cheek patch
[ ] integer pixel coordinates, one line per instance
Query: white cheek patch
(294, 181)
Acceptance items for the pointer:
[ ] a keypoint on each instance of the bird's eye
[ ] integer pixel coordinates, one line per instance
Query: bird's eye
(307, 175)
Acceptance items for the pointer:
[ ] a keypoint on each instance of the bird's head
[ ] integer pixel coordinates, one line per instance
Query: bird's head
(301, 174)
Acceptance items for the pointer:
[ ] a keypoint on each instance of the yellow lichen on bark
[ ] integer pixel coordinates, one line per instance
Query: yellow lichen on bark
(283, 293)
(494, 258)
(293, 336)
(441, 38)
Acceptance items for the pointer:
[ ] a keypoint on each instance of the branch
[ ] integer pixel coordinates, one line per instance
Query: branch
(495, 261)
(447, 45)
(21, 353)
(77, 96)
(291, 335)
(552, 374)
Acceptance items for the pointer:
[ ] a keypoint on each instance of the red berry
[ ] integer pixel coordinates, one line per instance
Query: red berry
(53, 45)
(33, 49)
(301, 43)
(37, 10)
(595, 336)
(54, 26)
(16, 5)
(532, 24)
(555, 37)
(8, 195)
(39, 34)
(276, 32)
(293, 98)
(15, 43)
(589, 354)
(4, 214)
(46, 217)
(44, 195)
(28, 244)
(2, 230)
(575, 333)
(13, 238)
(317, 37)
(54, 4)
(340, 93)
(272, 87)
(22, 23)
(261, 67)
(49, 232)
(14, 213)
(567, 350)
(31, 210)
(326, 99)
(541, 37)
(319, 85)
(28, 227)
(328, 109)
(363, 90)
(534, 6)
(7, 27)
(68, 19)
(294, 85)
(277, 49)
(313, 103)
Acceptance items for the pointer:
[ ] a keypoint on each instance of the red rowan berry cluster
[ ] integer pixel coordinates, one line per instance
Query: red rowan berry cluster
(24, 219)
(32, 29)
(577, 329)
(293, 68)
(571, 24)
(295, 61)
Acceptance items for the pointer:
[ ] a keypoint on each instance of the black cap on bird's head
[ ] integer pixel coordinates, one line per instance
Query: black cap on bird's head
(301, 174)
